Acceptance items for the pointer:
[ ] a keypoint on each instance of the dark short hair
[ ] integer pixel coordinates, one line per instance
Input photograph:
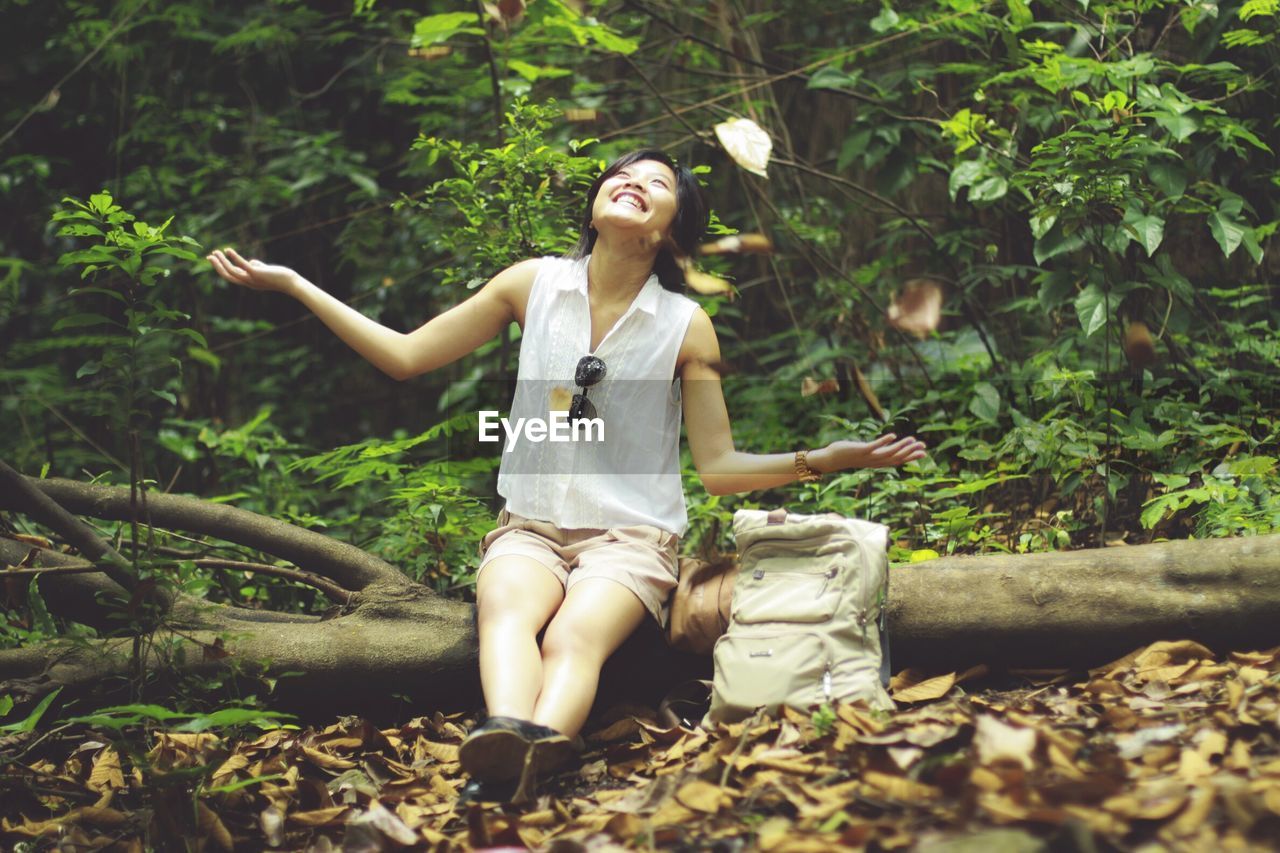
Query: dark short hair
(692, 215)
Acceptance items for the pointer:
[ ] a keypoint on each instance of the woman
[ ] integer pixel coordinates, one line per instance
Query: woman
(586, 545)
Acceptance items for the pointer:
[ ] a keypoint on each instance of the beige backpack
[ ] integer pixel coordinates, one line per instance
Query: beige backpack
(807, 615)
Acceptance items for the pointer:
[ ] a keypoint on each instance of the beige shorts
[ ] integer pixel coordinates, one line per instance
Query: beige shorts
(640, 557)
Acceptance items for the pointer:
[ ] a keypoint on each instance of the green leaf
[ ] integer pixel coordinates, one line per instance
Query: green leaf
(1154, 510)
(885, 21)
(205, 357)
(29, 723)
(1251, 245)
(74, 321)
(1091, 308)
(1171, 178)
(986, 402)
(364, 182)
(41, 619)
(1180, 126)
(989, 189)
(1042, 220)
(1148, 229)
(242, 783)
(89, 368)
(437, 28)
(130, 712)
(1055, 243)
(964, 175)
(231, 717)
(6, 705)
(611, 41)
(828, 77)
(1226, 230)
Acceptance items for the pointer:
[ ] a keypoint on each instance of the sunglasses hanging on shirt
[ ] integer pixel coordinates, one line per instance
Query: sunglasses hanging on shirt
(589, 372)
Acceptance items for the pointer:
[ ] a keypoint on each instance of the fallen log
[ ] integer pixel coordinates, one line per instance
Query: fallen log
(1083, 608)
(397, 638)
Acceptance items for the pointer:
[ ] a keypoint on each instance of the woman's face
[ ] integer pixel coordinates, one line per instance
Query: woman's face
(639, 197)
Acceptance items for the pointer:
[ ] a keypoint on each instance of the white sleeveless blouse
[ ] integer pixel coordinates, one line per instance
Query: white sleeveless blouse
(632, 476)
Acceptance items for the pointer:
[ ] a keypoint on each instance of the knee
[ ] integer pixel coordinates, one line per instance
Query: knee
(507, 612)
(566, 640)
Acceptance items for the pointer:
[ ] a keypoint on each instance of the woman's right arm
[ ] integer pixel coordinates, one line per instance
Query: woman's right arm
(440, 341)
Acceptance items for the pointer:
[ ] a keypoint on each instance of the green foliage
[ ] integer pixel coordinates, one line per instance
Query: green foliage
(424, 513)
(508, 203)
(122, 262)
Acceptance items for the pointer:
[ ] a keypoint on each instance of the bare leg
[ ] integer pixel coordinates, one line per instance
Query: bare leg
(597, 615)
(515, 596)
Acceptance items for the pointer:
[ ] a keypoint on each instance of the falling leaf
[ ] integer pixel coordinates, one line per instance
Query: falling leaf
(1139, 348)
(738, 244)
(917, 309)
(431, 52)
(705, 283)
(810, 386)
(747, 144)
(580, 115)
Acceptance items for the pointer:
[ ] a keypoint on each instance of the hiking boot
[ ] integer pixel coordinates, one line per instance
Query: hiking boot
(495, 750)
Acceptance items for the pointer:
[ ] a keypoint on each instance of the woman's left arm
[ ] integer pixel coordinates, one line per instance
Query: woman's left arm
(723, 469)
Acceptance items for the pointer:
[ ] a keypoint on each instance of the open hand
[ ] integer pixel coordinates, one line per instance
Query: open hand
(887, 451)
(254, 273)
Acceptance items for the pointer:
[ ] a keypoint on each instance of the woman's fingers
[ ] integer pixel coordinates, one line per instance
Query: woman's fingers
(228, 264)
(901, 452)
(235, 256)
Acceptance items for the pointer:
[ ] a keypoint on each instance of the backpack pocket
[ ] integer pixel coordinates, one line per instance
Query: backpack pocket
(858, 677)
(781, 591)
(761, 669)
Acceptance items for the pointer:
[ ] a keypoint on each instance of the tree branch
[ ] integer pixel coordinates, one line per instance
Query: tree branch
(331, 590)
(24, 495)
(351, 567)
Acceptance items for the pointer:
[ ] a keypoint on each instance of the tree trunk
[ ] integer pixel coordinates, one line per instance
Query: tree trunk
(398, 639)
(1085, 608)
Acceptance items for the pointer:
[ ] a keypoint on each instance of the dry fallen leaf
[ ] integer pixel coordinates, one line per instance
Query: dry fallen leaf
(702, 796)
(747, 144)
(996, 740)
(923, 691)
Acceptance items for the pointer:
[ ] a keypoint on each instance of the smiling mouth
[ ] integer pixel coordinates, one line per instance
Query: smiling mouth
(631, 197)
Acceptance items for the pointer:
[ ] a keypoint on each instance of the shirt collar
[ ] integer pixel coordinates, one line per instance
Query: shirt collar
(646, 300)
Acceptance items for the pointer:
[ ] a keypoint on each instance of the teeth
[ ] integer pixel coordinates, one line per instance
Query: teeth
(631, 200)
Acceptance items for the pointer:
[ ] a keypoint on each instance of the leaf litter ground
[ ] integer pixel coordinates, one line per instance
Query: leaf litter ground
(1168, 748)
